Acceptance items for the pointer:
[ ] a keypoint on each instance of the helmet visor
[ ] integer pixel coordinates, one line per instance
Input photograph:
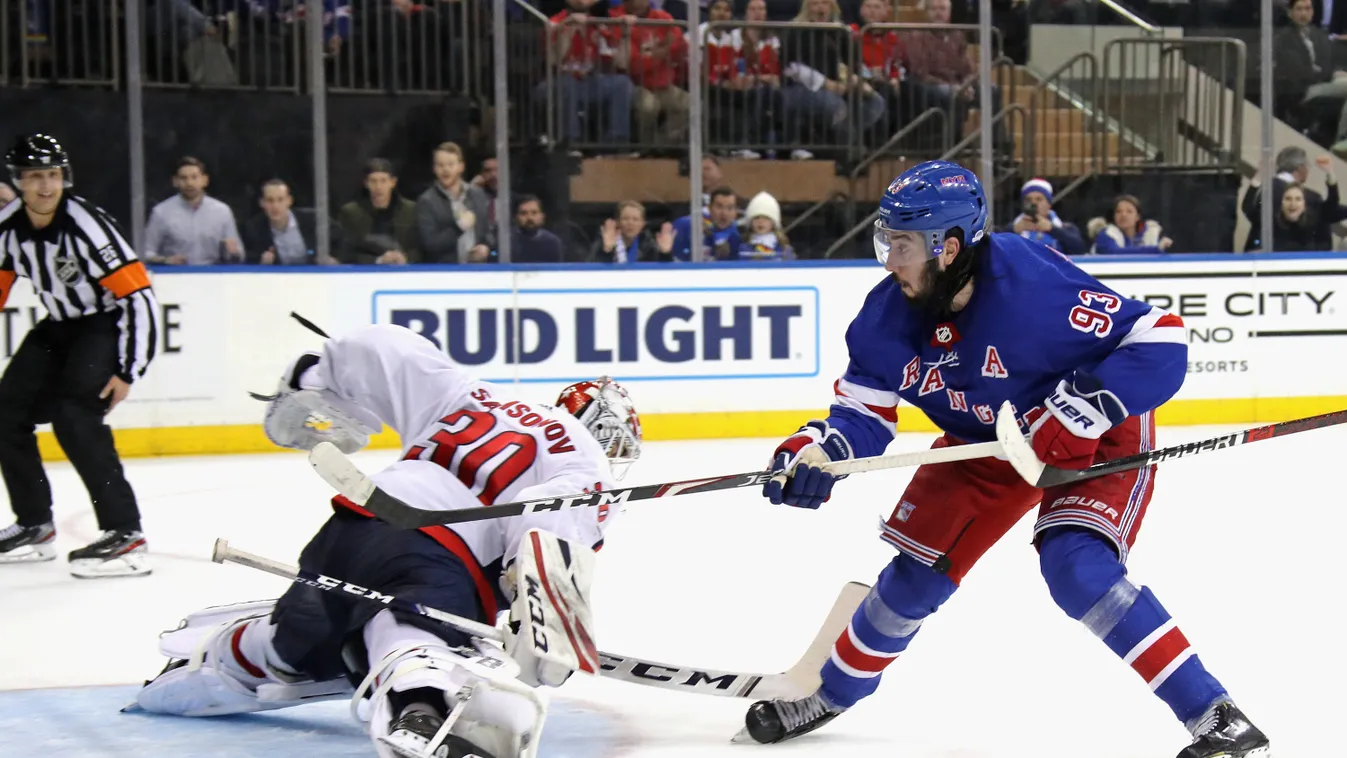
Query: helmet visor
(895, 247)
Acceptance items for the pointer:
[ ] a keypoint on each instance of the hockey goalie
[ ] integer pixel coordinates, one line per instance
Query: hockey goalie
(426, 690)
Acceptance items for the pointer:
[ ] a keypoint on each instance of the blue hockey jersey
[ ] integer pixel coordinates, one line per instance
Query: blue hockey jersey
(1033, 319)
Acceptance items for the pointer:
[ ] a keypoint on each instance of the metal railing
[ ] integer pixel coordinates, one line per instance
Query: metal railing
(73, 42)
(1188, 116)
(1067, 136)
(1127, 15)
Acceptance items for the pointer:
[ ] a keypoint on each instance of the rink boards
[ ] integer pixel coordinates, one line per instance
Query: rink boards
(716, 350)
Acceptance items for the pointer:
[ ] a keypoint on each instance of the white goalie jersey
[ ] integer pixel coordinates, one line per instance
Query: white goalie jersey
(466, 443)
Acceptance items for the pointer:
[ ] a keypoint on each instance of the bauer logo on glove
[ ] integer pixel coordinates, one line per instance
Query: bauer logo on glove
(1079, 412)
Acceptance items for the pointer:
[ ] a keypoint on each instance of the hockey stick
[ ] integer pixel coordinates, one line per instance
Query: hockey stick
(796, 682)
(345, 477)
(1041, 475)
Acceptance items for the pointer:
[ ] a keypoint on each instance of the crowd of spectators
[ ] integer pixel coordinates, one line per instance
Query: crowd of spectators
(817, 82)
(452, 221)
(1303, 220)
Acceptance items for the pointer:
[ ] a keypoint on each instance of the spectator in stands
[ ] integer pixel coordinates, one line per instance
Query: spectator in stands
(760, 52)
(942, 72)
(818, 84)
(185, 39)
(626, 240)
(712, 177)
(743, 77)
(591, 71)
(721, 239)
(1309, 89)
(486, 179)
(1293, 167)
(530, 242)
(1128, 232)
(453, 216)
(379, 226)
(266, 37)
(1297, 227)
(656, 56)
(192, 227)
(7, 195)
(767, 241)
(883, 59)
(1039, 222)
(275, 236)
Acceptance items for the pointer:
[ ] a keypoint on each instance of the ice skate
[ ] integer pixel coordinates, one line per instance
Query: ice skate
(118, 552)
(1225, 732)
(27, 544)
(412, 735)
(769, 721)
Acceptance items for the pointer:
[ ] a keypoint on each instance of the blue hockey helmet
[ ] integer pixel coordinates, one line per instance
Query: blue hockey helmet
(922, 205)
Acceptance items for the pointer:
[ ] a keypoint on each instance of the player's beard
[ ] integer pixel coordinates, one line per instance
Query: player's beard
(926, 287)
(935, 295)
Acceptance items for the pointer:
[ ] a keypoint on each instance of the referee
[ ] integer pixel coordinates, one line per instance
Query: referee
(76, 365)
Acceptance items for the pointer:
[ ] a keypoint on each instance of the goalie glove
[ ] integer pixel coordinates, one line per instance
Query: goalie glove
(550, 634)
(302, 413)
(796, 477)
(1079, 413)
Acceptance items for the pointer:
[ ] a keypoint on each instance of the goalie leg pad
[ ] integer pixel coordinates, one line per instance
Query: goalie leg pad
(230, 668)
(484, 702)
(555, 633)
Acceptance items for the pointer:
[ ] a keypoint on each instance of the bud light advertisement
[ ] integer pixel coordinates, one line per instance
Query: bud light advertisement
(563, 335)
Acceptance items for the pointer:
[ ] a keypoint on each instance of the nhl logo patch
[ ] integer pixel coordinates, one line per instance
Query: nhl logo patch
(946, 334)
(67, 270)
(904, 511)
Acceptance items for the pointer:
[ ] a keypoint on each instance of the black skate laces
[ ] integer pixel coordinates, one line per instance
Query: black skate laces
(796, 713)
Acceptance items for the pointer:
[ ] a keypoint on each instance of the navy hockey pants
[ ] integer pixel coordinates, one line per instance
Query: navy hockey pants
(313, 625)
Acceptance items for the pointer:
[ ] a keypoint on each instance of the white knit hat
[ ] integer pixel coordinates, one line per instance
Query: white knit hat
(764, 204)
(1037, 185)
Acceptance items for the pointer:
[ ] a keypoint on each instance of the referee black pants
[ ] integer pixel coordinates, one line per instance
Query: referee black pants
(56, 376)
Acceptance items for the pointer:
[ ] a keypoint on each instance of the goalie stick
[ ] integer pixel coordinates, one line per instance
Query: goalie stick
(1021, 454)
(347, 478)
(798, 681)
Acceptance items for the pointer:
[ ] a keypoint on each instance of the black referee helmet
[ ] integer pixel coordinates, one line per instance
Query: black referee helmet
(37, 151)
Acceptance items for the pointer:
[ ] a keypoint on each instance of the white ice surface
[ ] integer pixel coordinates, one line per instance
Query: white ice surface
(1242, 546)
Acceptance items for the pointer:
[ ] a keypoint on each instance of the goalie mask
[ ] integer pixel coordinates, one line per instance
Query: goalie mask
(606, 410)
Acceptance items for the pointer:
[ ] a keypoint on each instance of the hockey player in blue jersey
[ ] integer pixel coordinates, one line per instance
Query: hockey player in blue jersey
(964, 321)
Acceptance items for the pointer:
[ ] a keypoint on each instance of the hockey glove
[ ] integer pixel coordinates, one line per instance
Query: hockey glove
(302, 413)
(796, 477)
(1079, 413)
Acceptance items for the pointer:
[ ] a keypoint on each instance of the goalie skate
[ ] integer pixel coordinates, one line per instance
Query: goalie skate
(27, 544)
(489, 712)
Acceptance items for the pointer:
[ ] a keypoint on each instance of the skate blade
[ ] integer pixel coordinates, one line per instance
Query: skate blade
(409, 748)
(36, 554)
(125, 565)
(743, 738)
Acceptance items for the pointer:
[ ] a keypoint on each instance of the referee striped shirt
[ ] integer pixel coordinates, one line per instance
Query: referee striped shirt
(81, 265)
